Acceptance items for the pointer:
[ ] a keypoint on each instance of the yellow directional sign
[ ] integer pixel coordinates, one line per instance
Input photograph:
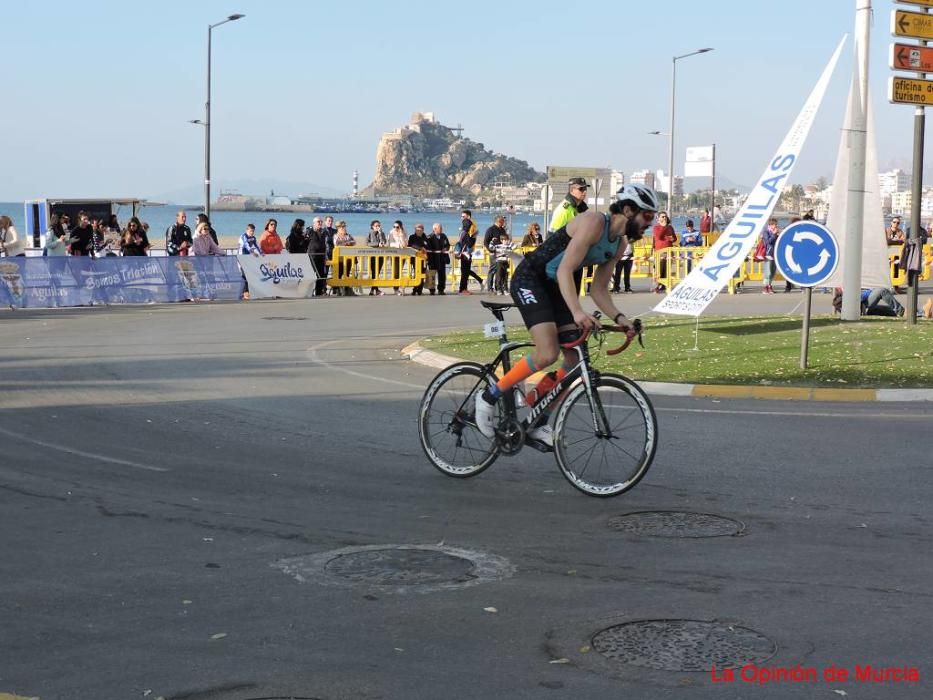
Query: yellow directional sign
(917, 25)
(910, 91)
(925, 3)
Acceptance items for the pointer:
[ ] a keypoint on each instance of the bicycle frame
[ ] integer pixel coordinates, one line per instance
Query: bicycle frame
(582, 370)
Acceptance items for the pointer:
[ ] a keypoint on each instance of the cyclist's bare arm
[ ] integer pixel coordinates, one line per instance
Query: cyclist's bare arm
(599, 290)
(584, 231)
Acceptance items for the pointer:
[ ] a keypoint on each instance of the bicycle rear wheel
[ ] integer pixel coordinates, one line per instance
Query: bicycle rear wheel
(446, 424)
(597, 462)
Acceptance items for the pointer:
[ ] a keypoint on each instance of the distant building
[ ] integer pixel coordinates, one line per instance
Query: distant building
(901, 203)
(643, 177)
(893, 181)
(678, 185)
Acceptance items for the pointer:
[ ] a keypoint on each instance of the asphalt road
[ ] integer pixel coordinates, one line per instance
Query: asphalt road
(173, 480)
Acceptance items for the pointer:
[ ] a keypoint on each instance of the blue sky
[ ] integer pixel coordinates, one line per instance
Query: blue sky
(99, 93)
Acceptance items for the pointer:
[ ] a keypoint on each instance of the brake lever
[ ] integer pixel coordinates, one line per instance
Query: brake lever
(637, 327)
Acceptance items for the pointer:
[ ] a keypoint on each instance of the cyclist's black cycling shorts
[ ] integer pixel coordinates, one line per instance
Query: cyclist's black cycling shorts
(538, 297)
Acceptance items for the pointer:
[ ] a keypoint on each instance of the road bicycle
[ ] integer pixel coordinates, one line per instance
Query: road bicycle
(605, 429)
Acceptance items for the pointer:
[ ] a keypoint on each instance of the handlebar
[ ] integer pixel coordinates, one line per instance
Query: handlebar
(630, 334)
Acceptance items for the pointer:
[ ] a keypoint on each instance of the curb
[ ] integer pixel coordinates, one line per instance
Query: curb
(416, 353)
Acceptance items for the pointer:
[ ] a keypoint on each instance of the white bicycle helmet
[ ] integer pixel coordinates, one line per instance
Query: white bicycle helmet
(641, 196)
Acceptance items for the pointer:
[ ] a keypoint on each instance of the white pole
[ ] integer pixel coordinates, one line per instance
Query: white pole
(852, 260)
(670, 162)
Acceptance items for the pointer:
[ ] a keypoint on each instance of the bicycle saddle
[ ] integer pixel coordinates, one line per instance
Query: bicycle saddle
(494, 306)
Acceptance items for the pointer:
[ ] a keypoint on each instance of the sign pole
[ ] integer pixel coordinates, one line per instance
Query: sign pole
(807, 254)
(712, 194)
(916, 188)
(805, 333)
(912, 277)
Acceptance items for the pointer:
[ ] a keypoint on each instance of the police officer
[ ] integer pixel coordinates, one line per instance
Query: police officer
(571, 205)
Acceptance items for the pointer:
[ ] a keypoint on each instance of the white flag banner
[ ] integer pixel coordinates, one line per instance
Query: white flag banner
(712, 273)
(288, 275)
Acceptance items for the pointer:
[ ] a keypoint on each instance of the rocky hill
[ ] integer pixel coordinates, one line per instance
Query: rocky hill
(427, 159)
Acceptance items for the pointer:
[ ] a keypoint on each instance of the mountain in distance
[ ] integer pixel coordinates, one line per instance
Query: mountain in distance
(694, 184)
(194, 194)
(427, 159)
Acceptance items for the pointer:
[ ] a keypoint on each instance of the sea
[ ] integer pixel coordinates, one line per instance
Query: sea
(231, 224)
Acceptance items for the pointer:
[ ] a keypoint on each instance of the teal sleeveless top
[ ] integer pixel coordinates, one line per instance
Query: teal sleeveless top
(601, 252)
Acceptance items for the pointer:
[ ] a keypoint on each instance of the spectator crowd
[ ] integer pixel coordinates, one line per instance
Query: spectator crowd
(434, 251)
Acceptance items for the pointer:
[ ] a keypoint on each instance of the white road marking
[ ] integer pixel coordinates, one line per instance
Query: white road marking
(82, 453)
(313, 354)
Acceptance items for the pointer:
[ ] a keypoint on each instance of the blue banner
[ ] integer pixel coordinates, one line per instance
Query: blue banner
(49, 282)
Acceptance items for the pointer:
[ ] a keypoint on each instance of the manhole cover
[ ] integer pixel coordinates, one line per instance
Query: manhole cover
(284, 318)
(673, 523)
(391, 567)
(683, 645)
(398, 568)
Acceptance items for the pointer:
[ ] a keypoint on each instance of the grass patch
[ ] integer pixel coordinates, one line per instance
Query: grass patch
(874, 352)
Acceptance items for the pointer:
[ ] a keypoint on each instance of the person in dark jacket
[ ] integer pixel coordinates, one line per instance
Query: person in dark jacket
(84, 235)
(437, 246)
(768, 239)
(330, 234)
(135, 241)
(317, 251)
(297, 240)
(465, 244)
(178, 237)
(494, 235)
(419, 241)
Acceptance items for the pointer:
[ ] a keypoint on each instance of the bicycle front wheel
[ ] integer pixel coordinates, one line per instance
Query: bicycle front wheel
(604, 449)
(446, 423)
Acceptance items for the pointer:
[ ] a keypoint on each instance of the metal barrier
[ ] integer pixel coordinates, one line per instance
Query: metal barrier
(352, 266)
(377, 267)
(898, 276)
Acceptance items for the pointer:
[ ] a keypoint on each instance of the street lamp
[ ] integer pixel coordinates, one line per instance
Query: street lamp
(207, 118)
(662, 133)
(670, 175)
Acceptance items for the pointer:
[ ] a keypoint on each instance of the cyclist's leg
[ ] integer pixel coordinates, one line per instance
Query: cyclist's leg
(534, 297)
(546, 350)
(566, 333)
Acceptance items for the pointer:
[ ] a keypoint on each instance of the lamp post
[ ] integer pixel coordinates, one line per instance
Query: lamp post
(656, 185)
(207, 118)
(670, 203)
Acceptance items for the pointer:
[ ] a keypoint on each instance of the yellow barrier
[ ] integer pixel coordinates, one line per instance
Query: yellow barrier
(898, 276)
(403, 267)
(376, 267)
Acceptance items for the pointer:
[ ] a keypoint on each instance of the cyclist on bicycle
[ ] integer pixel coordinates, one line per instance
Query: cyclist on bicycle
(545, 288)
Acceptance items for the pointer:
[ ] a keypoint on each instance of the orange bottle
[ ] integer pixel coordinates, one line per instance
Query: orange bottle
(543, 387)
